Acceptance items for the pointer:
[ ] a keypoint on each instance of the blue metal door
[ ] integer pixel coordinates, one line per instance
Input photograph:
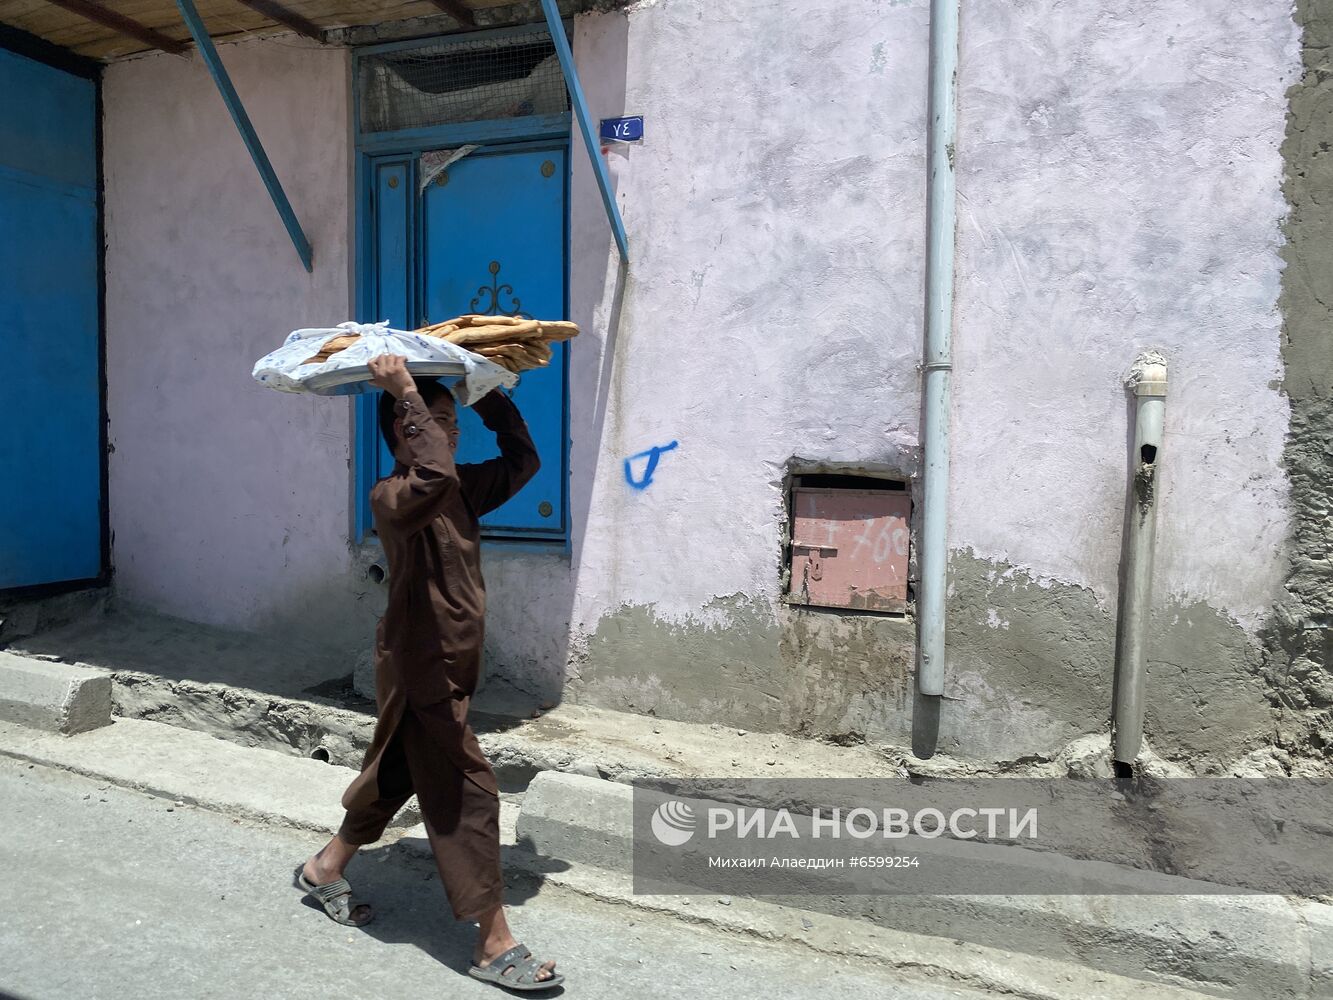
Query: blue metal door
(493, 241)
(392, 253)
(487, 235)
(50, 384)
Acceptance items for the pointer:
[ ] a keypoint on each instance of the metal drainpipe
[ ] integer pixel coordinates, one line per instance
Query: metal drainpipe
(1147, 380)
(937, 365)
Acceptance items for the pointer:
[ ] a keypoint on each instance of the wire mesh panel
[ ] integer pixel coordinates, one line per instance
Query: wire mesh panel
(460, 81)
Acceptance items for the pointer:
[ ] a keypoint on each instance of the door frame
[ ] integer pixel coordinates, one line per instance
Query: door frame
(508, 135)
(21, 43)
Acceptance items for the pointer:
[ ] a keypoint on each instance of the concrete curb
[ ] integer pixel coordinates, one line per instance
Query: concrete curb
(942, 959)
(195, 768)
(1221, 945)
(55, 697)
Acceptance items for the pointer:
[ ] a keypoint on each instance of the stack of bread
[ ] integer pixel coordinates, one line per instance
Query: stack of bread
(509, 341)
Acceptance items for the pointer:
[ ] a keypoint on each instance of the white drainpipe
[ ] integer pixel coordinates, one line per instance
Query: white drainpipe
(937, 364)
(1147, 380)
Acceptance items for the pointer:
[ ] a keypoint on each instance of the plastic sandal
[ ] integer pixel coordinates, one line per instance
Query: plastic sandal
(516, 969)
(335, 897)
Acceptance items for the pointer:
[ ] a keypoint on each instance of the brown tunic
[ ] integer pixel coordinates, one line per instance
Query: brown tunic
(428, 645)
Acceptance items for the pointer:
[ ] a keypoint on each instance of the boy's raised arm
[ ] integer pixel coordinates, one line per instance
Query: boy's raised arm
(487, 485)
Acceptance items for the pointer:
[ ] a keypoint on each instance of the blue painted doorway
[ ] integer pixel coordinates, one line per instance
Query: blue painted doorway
(51, 428)
(485, 235)
(493, 242)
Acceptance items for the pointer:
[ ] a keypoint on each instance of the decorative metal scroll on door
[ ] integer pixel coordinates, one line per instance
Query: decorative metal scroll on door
(493, 291)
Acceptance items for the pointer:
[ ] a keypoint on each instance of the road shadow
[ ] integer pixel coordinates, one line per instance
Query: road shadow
(411, 907)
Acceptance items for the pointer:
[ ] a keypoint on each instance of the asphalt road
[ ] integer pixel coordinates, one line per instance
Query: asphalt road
(109, 893)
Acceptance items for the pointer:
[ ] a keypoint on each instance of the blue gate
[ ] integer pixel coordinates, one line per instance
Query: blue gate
(51, 492)
(486, 235)
(493, 242)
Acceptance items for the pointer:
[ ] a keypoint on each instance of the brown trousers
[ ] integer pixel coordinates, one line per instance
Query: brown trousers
(462, 819)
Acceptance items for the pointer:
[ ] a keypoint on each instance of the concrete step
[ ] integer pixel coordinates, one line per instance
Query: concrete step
(56, 697)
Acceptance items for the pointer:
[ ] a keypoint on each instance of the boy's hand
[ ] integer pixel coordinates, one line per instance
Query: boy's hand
(389, 372)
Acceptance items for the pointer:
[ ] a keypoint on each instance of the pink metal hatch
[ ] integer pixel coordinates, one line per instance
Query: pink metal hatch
(849, 548)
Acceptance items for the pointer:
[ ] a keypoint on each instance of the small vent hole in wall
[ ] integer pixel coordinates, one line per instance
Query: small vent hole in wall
(321, 753)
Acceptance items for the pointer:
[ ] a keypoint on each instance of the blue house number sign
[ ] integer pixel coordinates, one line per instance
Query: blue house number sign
(622, 129)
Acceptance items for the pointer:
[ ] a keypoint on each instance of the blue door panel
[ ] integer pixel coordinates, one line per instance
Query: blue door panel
(50, 384)
(393, 241)
(493, 241)
(47, 122)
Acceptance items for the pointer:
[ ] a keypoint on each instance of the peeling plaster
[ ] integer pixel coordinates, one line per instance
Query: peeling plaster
(1300, 637)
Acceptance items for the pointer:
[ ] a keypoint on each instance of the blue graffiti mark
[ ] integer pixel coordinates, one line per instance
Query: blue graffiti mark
(653, 456)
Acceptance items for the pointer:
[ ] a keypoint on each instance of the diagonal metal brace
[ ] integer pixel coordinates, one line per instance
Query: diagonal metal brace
(585, 124)
(233, 102)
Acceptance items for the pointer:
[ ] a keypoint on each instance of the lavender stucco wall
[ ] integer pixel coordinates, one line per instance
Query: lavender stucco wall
(1119, 188)
(775, 213)
(229, 502)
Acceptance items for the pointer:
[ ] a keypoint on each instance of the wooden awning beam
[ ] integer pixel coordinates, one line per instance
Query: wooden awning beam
(458, 10)
(121, 24)
(288, 18)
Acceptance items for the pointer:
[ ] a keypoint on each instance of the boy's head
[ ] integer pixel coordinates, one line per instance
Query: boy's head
(438, 399)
